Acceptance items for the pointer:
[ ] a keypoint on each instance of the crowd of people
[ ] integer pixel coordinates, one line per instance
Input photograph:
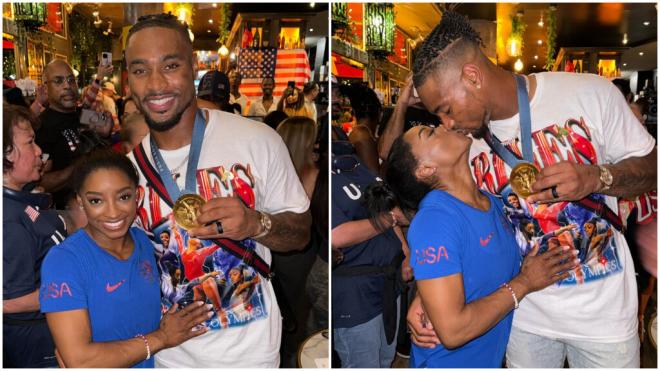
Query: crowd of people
(100, 267)
(513, 206)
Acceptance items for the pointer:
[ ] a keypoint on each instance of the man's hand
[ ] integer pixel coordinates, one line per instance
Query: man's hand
(238, 221)
(104, 70)
(572, 181)
(421, 330)
(42, 95)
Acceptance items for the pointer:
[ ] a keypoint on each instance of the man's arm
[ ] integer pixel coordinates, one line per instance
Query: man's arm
(631, 177)
(290, 231)
(25, 303)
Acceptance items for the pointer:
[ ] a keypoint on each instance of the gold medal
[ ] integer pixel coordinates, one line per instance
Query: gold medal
(185, 210)
(521, 178)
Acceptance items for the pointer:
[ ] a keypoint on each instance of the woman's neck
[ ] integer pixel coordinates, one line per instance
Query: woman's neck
(463, 187)
(120, 248)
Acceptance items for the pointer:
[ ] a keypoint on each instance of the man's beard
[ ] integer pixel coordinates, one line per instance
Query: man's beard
(167, 124)
(481, 132)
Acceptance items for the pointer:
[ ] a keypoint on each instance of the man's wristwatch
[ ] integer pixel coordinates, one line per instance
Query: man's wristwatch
(606, 178)
(266, 225)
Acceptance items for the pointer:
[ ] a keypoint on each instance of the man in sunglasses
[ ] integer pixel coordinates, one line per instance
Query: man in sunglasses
(60, 125)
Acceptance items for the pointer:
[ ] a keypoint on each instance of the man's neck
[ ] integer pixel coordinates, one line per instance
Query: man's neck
(267, 98)
(179, 135)
(504, 103)
(61, 109)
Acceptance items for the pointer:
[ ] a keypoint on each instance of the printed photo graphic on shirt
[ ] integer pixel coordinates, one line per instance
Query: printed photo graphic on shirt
(193, 269)
(550, 226)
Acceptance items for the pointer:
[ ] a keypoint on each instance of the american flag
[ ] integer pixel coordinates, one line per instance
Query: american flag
(31, 213)
(282, 64)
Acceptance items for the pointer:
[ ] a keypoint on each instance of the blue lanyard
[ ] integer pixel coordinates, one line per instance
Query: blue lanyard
(191, 172)
(525, 130)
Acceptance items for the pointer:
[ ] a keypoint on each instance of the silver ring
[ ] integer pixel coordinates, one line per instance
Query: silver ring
(218, 227)
(553, 189)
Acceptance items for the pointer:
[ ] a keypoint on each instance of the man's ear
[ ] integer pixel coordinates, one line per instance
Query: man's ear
(472, 75)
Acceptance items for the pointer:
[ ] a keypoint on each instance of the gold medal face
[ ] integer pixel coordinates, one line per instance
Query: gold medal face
(522, 176)
(185, 210)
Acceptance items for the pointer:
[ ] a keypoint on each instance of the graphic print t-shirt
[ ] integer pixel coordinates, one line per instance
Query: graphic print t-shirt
(583, 119)
(121, 296)
(447, 237)
(239, 157)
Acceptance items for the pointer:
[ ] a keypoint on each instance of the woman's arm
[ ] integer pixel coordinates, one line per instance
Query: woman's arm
(73, 337)
(456, 322)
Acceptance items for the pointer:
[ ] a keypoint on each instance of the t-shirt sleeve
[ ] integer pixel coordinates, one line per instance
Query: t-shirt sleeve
(624, 135)
(284, 191)
(19, 276)
(62, 285)
(339, 217)
(435, 244)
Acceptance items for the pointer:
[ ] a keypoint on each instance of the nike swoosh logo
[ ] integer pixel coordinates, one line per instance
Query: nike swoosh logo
(111, 288)
(485, 241)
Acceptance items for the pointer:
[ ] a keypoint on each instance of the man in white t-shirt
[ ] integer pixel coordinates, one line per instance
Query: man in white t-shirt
(253, 200)
(586, 142)
(267, 103)
(235, 95)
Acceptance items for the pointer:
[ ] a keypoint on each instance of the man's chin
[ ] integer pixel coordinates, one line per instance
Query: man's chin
(164, 124)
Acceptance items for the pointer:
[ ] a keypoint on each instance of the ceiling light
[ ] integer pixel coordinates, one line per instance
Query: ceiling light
(647, 23)
(215, 5)
(536, 57)
(210, 21)
(534, 66)
(518, 66)
(311, 5)
(539, 41)
(541, 21)
(625, 39)
(209, 31)
(95, 13)
(641, 54)
(223, 51)
(311, 30)
(625, 64)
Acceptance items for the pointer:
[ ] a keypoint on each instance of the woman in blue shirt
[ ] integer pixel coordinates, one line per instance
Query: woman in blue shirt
(100, 287)
(463, 250)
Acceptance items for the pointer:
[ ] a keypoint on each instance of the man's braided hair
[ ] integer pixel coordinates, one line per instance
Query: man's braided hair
(453, 27)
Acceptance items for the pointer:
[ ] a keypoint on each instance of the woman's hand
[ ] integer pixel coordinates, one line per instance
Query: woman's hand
(540, 271)
(177, 327)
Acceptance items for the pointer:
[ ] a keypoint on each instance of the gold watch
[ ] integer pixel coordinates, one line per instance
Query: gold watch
(266, 225)
(606, 178)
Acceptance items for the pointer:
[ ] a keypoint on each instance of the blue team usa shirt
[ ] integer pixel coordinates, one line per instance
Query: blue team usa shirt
(447, 237)
(122, 297)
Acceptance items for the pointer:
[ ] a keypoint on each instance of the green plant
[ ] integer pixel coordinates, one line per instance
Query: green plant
(224, 25)
(87, 41)
(551, 33)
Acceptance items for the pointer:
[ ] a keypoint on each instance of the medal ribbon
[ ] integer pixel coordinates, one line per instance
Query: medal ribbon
(525, 130)
(191, 172)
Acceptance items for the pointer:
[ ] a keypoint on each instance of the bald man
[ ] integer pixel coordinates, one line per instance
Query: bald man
(60, 125)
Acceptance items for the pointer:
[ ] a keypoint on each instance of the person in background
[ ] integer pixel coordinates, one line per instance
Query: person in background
(274, 118)
(59, 134)
(100, 289)
(368, 112)
(235, 94)
(110, 98)
(267, 103)
(133, 130)
(311, 91)
(214, 88)
(293, 103)
(30, 229)
(292, 268)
